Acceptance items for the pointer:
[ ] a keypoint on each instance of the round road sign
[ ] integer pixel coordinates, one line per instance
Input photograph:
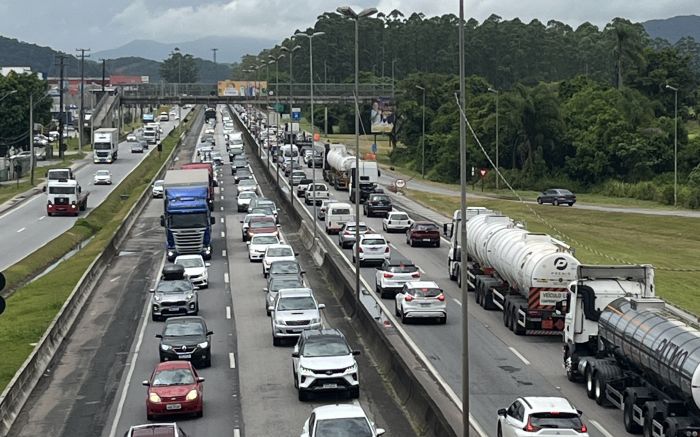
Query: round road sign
(400, 183)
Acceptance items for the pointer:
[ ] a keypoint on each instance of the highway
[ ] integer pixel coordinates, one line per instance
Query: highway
(28, 227)
(503, 366)
(94, 385)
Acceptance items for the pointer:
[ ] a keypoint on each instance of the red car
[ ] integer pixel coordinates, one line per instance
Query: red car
(174, 388)
(261, 225)
(423, 233)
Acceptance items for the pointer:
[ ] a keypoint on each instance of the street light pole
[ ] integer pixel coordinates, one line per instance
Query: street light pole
(422, 166)
(675, 144)
(313, 127)
(291, 124)
(495, 91)
(348, 12)
(81, 130)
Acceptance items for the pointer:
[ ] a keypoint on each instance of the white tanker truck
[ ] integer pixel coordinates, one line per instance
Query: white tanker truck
(524, 274)
(337, 167)
(631, 353)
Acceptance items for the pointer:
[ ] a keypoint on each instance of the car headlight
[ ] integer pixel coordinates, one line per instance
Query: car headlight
(203, 345)
(153, 397)
(156, 298)
(352, 369)
(190, 296)
(280, 322)
(192, 395)
(165, 347)
(306, 370)
(315, 320)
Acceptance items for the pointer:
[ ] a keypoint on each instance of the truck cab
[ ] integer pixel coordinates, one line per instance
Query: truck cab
(452, 231)
(105, 145)
(65, 196)
(369, 177)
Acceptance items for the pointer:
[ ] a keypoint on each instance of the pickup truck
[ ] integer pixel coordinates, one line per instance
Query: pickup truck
(321, 191)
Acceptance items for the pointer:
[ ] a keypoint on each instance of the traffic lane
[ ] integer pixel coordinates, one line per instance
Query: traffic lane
(26, 226)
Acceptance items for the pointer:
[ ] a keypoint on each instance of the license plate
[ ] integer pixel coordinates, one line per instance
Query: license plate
(330, 385)
(425, 304)
(173, 407)
(297, 330)
(174, 310)
(547, 324)
(184, 356)
(426, 239)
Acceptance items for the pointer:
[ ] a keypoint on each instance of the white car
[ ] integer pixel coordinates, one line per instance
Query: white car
(295, 310)
(102, 177)
(195, 269)
(536, 416)
(158, 189)
(243, 200)
(393, 274)
(373, 248)
(277, 252)
(323, 361)
(131, 138)
(341, 420)
(321, 192)
(259, 244)
(421, 299)
(396, 221)
(247, 185)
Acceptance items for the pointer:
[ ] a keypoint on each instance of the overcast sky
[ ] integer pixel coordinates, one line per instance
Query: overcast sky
(106, 24)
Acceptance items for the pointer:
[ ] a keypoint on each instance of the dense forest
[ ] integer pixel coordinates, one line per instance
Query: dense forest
(585, 108)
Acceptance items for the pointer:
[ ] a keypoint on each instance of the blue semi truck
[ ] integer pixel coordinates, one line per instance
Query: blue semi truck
(186, 217)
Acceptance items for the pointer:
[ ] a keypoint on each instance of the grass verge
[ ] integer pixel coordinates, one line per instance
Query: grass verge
(668, 243)
(32, 307)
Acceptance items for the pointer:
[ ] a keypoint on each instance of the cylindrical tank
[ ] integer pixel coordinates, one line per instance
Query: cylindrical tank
(339, 158)
(523, 259)
(667, 349)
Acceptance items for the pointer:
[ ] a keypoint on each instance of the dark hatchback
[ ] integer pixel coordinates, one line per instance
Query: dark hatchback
(377, 204)
(242, 173)
(186, 338)
(556, 197)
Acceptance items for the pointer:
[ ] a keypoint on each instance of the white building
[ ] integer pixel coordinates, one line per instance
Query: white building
(19, 70)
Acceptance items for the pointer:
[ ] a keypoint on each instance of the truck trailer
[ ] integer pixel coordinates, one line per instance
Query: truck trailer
(186, 217)
(369, 178)
(337, 166)
(212, 178)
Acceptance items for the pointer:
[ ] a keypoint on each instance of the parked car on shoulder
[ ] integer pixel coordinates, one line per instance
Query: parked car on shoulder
(557, 196)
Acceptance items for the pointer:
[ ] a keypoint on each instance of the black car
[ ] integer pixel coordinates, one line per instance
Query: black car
(242, 173)
(186, 338)
(378, 204)
(557, 196)
(238, 164)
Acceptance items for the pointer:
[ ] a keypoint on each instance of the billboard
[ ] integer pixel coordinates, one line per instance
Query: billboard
(248, 88)
(381, 116)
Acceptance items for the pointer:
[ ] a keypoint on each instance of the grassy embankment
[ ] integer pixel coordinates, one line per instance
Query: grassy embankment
(32, 307)
(666, 242)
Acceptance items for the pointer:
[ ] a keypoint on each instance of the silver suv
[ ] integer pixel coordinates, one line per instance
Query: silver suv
(346, 236)
(174, 295)
(294, 311)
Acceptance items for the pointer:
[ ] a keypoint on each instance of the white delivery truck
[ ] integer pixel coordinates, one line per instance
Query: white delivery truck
(105, 144)
(151, 133)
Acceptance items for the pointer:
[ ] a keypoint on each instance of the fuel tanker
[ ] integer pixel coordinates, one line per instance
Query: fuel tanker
(337, 166)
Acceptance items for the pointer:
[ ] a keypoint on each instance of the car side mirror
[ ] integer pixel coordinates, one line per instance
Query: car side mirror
(502, 412)
(380, 431)
(322, 306)
(303, 272)
(200, 379)
(356, 353)
(162, 220)
(270, 308)
(295, 354)
(241, 221)
(43, 188)
(146, 383)
(207, 264)
(210, 332)
(580, 413)
(265, 290)
(296, 253)
(152, 290)
(159, 336)
(279, 226)
(247, 243)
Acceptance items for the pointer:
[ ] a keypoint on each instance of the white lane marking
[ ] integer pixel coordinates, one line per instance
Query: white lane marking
(114, 279)
(457, 302)
(519, 355)
(222, 197)
(221, 189)
(232, 360)
(223, 234)
(422, 272)
(222, 219)
(600, 428)
(223, 253)
(222, 208)
(228, 312)
(15, 209)
(42, 217)
(21, 230)
(236, 432)
(226, 278)
(393, 247)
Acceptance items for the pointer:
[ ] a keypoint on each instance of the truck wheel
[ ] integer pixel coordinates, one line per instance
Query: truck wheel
(517, 329)
(459, 279)
(627, 415)
(589, 382)
(569, 367)
(450, 272)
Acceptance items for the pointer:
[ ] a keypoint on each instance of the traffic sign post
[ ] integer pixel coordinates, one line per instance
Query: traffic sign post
(374, 148)
(296, 114)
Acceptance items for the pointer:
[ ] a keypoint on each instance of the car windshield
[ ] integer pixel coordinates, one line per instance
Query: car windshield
(284, 267)
(102, 173)
(556, 420)
(61, 190)
(379, 198)
(373, 242)
(246, 183)
(243, 172)
(280, 283)
(426, 227)
(262, 223)
(265, 203)
(178, 286)
(340, 211)
(565, 192)
(275, 252)
(325, 346)
(183, 329)
(363, 228)
(296, 303)
(398, 217)
(257, 210)
(425, 292)
(264, 239)
(190, 262)
(247, 195)
(173, 377)
(184, 221)
(403, 268)
(354, 426)
(158, 184)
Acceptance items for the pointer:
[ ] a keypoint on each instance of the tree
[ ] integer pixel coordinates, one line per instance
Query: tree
(179, 68)
(14, 109)
(628, 45)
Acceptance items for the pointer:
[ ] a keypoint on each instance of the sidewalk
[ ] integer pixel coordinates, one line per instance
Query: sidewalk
(38, 189)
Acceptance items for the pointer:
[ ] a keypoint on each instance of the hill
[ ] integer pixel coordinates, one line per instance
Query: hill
(674, 28)
(44, 60)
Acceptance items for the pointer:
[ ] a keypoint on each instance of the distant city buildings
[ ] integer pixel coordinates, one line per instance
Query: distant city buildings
(4, 71)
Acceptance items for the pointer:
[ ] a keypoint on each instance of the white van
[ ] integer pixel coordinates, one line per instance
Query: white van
(337, 215)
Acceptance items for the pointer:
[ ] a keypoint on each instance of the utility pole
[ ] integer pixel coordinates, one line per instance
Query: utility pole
(32, 158)
(291, 123)
(675, 144)
(61, 113)
(422, 138)
(214, 53)
(82, 99)
(495, 91)
(104, 68)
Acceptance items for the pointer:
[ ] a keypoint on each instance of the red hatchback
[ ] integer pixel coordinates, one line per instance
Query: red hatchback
(261, 225)
(174, 388)
(423, 233)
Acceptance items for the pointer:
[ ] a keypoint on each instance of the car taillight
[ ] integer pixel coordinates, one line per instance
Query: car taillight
(530, 427)
(360, 250)
(408, 298)
(386, 250)
(441, 298)
(415, 275)
(388, 275)
(584, 428)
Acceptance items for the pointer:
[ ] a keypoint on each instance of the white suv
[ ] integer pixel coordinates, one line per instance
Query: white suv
(337, 420)
(531, 416)
(373, 248)
(421, 299)
(323, 361)
(396, 221)
(393, 274)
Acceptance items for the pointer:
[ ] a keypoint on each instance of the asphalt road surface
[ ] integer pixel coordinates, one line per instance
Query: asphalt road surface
(27, 227)
(503, 366)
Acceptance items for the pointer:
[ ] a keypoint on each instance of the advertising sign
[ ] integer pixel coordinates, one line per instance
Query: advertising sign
(381, 116)
(247, 88)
